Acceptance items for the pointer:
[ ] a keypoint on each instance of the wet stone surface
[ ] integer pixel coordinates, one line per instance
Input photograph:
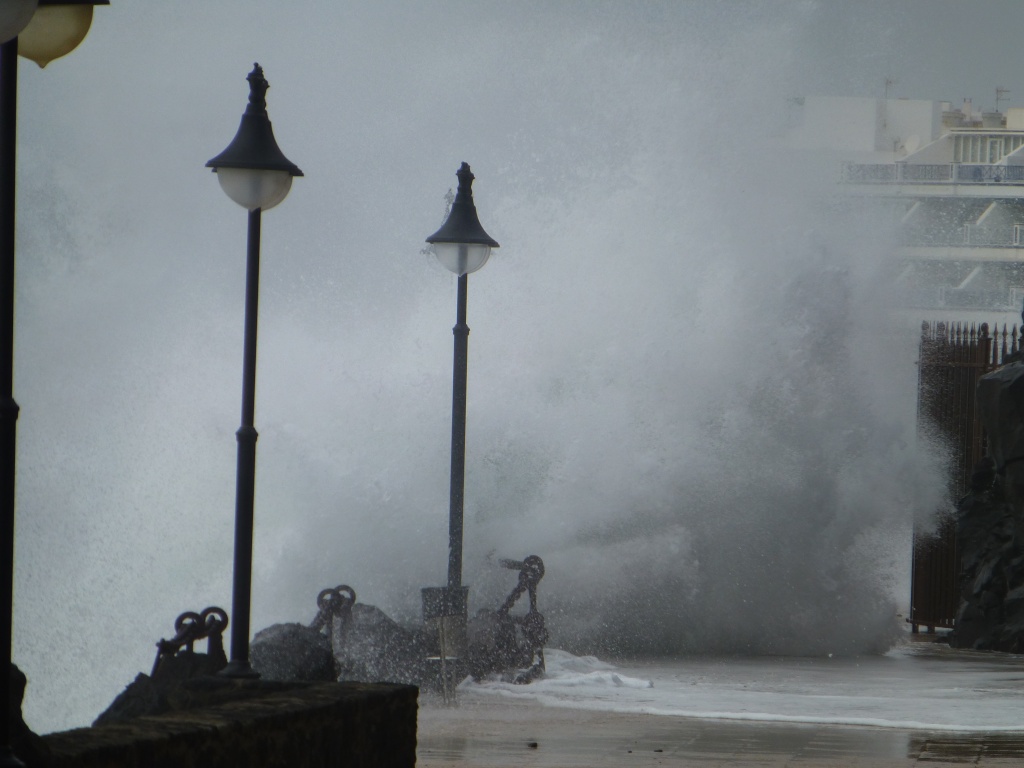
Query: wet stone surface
(519, 734)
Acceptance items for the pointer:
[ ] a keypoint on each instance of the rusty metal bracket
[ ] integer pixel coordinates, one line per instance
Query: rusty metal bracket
(511, 645)
(190, 627)
(334, 603)
(531, 571)
(531, 625)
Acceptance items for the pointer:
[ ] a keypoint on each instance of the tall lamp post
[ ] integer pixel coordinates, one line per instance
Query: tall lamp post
(41, 30)
(462, 246)
(254, 173)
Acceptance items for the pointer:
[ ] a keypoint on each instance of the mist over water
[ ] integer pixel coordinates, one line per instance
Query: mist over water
(686, 391)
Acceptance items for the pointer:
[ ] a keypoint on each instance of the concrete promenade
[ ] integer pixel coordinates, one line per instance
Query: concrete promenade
(500, 734)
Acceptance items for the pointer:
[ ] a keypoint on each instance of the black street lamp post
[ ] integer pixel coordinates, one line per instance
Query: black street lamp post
(41, 30)
(462, 246)
(255, 174)
(8, 407)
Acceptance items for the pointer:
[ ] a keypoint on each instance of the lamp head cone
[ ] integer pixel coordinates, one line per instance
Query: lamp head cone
(254, 146)
(462, 224)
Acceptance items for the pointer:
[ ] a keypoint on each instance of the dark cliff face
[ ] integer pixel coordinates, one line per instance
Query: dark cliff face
(1001, 410)
(27, 746)
(167, 690)
(990, 523)
(992, 570)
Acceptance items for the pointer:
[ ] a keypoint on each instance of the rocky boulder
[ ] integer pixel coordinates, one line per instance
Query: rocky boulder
(292, 652)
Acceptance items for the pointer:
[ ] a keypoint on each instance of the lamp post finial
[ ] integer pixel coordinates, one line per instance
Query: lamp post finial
(258, 86)
(465, 179)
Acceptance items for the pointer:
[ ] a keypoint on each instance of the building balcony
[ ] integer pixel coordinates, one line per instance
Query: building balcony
(1011, 236)
(1005, 299)
(944, 173)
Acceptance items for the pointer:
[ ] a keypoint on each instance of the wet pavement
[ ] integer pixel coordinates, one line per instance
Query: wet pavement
(495, 734)
(928, 705)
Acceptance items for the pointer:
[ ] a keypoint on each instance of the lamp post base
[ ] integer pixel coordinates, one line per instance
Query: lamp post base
(445, 611)
(241, 670)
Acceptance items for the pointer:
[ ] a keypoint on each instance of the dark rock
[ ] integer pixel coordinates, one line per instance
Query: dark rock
(27, 746)
(371, 647)
(990, 523)
(1001, 408)
(154, 695)
(292, 652)
(990, 552)
(360, 645)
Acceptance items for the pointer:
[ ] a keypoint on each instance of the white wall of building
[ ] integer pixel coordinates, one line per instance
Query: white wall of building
(885, 129)
(908, 124)
(936, 152)
(1015, 119)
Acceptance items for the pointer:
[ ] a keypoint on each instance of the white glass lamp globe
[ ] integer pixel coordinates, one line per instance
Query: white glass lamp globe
(462, 258)
(14, 17)
(55, 31)
(255, 188)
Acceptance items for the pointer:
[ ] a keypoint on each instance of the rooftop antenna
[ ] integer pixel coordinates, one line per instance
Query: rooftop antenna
(1001, 94)
(889, 81)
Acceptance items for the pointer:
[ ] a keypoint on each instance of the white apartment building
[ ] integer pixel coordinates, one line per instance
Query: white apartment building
(953, 182)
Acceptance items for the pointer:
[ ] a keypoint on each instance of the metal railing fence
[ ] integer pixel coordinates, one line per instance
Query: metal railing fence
(953, 356)
(932, 173)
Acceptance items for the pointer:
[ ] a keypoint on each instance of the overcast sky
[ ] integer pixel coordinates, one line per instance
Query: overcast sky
(935, 49)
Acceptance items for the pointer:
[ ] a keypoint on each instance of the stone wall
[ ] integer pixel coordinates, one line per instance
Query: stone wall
(257, 724)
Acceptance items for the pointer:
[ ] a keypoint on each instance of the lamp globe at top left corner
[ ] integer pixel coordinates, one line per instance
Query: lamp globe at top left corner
(56, 29)
(14, 17)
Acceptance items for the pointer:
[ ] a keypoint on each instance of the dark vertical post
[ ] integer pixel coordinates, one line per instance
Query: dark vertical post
(458, 477)
(245, 488)
(8, 407)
